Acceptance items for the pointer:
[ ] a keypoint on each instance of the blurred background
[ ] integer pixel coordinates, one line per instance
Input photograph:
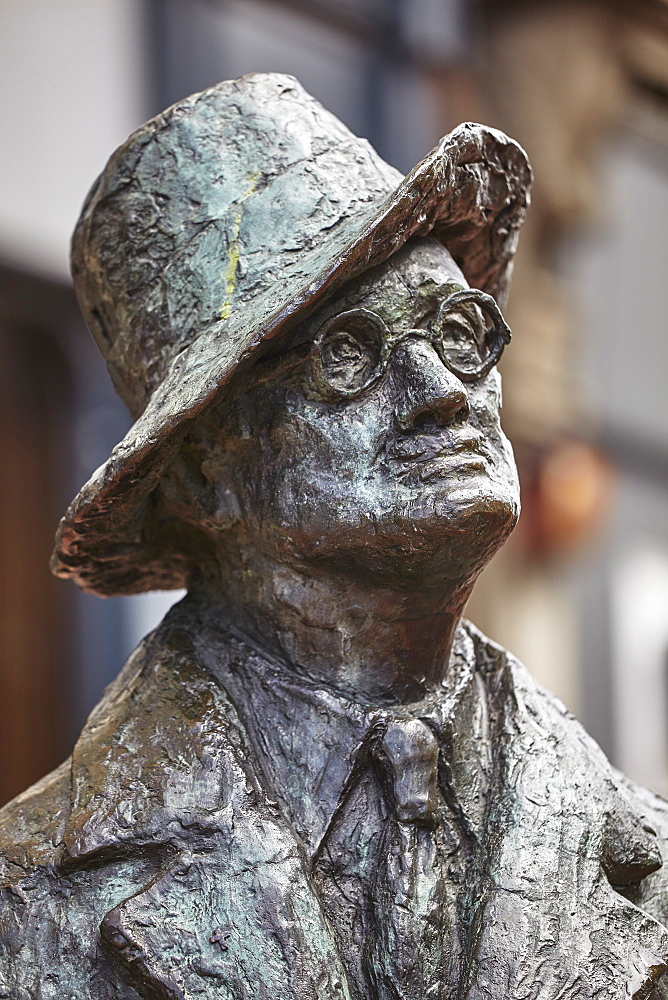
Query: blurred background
(581, 592)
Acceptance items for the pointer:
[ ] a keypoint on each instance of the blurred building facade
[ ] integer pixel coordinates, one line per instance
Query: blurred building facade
(582, 593)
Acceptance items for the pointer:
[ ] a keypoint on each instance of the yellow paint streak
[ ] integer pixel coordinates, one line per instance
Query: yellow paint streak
(233, 252)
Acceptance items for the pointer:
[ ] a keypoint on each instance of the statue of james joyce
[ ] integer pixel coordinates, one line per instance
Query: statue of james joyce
(315, 780)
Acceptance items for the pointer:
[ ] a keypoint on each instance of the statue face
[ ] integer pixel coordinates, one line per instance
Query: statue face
(410, 479)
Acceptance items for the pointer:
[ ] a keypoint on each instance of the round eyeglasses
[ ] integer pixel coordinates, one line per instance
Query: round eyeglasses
(352, 350)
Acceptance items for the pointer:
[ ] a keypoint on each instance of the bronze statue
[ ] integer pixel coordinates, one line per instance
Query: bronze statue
(315, 780)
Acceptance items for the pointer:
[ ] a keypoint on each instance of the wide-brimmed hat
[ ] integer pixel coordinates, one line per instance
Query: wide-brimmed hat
(212, 230)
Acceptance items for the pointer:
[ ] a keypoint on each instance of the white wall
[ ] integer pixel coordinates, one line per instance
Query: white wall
(70, 92)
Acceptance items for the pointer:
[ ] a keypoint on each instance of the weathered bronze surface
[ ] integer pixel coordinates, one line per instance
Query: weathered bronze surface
(315, 779)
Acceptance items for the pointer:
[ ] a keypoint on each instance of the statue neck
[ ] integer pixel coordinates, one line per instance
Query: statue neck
(374, 644)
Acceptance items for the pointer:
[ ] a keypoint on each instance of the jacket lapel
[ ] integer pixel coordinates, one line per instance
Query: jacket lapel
(561, 833)
(163, 765)
(236, 920)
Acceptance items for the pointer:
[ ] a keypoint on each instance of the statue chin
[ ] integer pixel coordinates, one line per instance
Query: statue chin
(440, 541)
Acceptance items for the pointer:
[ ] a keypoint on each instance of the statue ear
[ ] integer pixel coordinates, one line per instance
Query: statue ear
(195, 487)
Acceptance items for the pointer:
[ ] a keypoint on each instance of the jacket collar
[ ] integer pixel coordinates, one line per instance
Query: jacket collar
(307, 737)
(177, 741)
(188, 728)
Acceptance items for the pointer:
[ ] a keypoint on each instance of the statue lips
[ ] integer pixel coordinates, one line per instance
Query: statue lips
(436, 454)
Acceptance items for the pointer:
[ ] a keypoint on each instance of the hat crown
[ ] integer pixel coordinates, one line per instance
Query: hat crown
(202, 208)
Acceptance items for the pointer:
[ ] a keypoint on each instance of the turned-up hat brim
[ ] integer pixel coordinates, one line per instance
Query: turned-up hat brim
(471, 192)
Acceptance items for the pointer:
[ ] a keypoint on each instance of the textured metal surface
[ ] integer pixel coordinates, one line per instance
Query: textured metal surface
(315, 780)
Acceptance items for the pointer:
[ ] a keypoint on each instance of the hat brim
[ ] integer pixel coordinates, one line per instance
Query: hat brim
(471, 192)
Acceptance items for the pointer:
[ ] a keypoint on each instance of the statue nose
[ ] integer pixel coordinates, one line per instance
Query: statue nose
(428, 391)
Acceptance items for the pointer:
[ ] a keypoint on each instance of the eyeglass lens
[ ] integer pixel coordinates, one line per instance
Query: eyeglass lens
(471, 333)
(351, 351)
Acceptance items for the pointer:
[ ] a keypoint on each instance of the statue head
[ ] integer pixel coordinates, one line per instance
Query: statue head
(293, 326)
(367, 442)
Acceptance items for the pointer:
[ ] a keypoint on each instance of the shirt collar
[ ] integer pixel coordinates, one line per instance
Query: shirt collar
(308, 736)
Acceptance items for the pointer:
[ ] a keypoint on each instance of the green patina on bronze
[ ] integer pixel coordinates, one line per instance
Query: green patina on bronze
(315, 780)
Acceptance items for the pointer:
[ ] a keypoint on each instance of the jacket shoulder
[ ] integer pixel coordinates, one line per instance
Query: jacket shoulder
(652, 893)
(503, 672)
(33, 824)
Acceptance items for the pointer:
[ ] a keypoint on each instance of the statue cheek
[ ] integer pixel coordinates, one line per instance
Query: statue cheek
(311, 447)
(485, 396)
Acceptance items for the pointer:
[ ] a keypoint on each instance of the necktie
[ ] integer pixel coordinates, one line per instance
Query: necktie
(385, 869)
(414, 950)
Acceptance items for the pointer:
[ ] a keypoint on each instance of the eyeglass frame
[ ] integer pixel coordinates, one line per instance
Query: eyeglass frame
(391, 339)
